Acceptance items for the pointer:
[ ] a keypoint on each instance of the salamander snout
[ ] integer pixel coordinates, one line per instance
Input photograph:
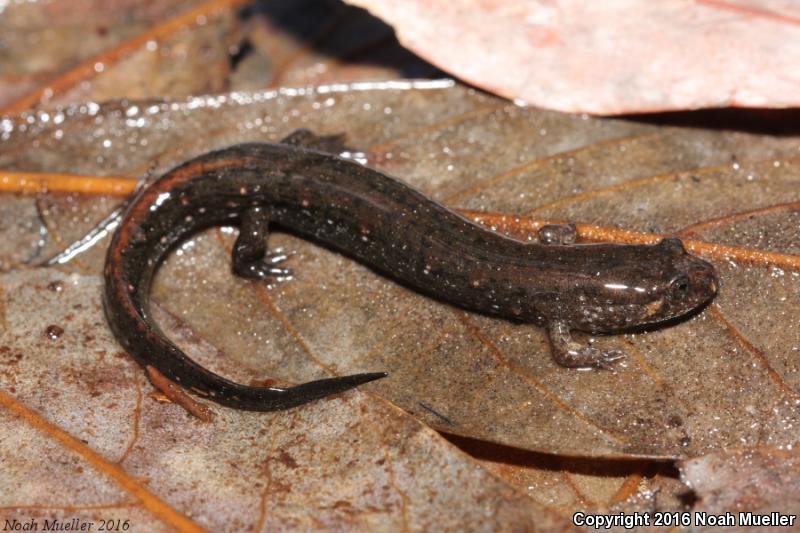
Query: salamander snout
(704, 277)
(694, 284)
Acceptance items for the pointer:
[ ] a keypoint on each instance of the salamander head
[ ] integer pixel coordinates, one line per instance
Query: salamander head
(641, 285)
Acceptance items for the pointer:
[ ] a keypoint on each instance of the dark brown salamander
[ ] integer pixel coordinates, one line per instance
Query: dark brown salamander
(397, 231)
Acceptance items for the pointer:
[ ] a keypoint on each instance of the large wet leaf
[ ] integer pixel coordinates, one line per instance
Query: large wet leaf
(727, 376)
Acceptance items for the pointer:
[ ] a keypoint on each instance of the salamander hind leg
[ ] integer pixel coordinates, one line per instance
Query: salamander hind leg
(251, 257)
(331, 144)
(570, 353)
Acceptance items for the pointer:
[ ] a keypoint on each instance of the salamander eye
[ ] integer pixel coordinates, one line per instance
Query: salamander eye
(679, 286)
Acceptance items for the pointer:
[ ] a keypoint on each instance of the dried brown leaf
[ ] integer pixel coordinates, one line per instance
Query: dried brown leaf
(41, 40)
(174, 49)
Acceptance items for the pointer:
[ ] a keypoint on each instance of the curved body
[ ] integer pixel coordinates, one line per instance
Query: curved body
(391, 227)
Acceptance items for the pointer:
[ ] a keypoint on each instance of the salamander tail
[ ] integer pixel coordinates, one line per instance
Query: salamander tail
(271, 399)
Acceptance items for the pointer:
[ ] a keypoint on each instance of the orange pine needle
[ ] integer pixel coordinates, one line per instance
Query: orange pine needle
(515, 225)
(521, 225)
(35, 182)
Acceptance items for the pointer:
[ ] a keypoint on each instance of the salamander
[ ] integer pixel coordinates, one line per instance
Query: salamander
(300, 186)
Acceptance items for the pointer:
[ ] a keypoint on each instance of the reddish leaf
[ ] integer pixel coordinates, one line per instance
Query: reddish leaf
(625, 56)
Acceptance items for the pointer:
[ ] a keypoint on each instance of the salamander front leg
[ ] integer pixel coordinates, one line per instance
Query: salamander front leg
(572, 354)
(251, 258)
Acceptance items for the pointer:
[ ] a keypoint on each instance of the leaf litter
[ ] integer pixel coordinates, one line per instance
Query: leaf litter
(471, 151)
